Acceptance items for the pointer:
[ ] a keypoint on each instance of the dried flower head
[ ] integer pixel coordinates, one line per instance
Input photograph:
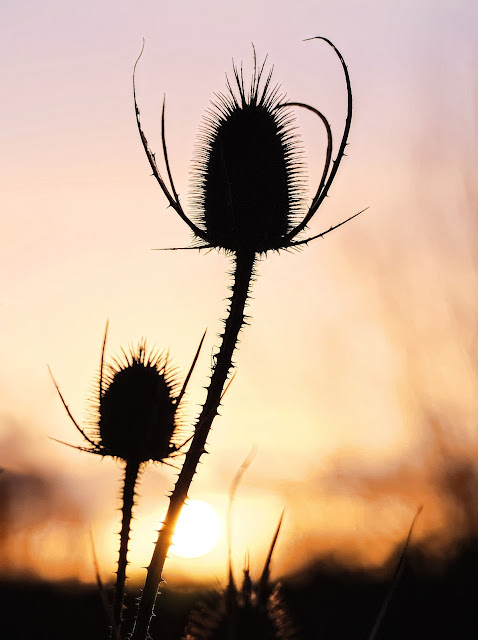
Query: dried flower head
(137, 404)
(253, 611)
(256, 611)
(248, 188)
(134, 410)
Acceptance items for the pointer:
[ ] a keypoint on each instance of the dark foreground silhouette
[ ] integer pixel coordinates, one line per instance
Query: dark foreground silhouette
(432, 600)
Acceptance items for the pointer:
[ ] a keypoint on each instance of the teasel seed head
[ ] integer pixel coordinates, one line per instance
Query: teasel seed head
(247, 180)
(135, 408)
(256, 610)
(248, 185)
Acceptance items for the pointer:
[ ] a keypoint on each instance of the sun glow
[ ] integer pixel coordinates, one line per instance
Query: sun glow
(198, 530)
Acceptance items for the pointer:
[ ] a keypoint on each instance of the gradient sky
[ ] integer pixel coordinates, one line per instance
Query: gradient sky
(357, 377)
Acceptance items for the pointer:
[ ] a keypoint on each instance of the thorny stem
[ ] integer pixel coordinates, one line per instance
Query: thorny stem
(130, 477)
(244, 269)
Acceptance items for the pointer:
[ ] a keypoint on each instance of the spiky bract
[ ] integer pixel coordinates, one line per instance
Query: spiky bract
(136, 407)
(246, 184)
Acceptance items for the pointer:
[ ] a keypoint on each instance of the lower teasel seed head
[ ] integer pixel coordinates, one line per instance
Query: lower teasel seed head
(134, 409)
(137, 407)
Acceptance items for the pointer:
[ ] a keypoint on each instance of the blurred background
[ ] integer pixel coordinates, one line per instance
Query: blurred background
(357, 379)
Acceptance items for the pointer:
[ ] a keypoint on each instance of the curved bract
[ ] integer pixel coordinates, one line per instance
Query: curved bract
(248, 187)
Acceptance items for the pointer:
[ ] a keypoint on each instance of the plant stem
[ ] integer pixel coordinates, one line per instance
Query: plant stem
(244, 270)
(130, 477)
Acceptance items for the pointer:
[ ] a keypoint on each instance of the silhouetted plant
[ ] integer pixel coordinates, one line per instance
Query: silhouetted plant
(134, 418)
(248, 198)
(256, 611)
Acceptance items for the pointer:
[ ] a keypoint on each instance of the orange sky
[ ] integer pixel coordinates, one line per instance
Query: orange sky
(357, 378)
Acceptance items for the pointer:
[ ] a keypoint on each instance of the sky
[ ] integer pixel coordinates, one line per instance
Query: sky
(357, 377)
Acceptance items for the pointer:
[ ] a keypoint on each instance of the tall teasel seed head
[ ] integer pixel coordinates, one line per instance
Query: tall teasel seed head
(248, 186)
(136, 406)
(247, 183)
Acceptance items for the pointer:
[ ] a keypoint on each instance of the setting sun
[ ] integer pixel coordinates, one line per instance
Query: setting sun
(198, 530)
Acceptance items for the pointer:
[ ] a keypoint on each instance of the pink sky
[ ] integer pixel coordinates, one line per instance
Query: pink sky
(355, 342)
